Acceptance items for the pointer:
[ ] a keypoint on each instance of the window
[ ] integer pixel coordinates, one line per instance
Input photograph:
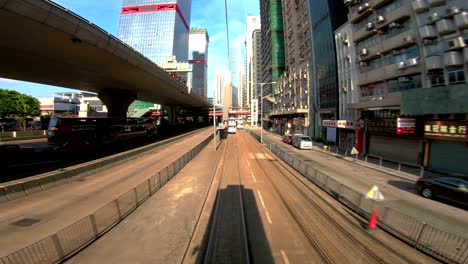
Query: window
(456, 75)
(436, 77)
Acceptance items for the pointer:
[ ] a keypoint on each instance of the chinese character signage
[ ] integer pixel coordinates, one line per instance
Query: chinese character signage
(254, 112)
(358, 139)
(446, 130)
(338, 123)
(406, 126)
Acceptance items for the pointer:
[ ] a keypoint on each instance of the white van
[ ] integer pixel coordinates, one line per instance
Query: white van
(302, 141)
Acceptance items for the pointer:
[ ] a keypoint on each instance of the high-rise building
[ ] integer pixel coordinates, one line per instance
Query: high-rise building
(198, 58)
(220, 81)
(325, 17)
(157, 29)
(291, 111)
(412, 78)
(256, 62)
(253, 23)
(235, 66)
(272, 49)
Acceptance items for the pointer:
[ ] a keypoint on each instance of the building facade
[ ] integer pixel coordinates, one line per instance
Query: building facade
(198, 58)
(253, 23)
(256, 63)
(325, 17)
(272, 49)
(348, 92)
(412, 80)
(156, 29)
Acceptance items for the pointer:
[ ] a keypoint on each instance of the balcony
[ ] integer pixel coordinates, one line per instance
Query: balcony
(461, 20)
(398, 14)
(391, 71)
(434, 62)
(361, 11)
(436, 2)
(403, 39)
(453, 58)
(420, 6)
(428, 32)
(445, 26)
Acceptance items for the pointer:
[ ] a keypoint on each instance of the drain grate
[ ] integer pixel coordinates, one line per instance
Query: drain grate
(25, 222)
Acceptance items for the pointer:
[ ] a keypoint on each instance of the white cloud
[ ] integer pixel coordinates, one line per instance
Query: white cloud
(216, 37)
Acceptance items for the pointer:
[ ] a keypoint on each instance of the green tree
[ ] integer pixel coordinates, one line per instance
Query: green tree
(17, 105)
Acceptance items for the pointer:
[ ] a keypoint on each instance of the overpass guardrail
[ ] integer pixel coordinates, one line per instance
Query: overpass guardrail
(432, 240)
(66, 242)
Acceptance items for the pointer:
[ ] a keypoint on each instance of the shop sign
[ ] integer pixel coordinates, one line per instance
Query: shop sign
(338, 123)
(446, 130)
(406, 126)
(359, 139)
(47, 107)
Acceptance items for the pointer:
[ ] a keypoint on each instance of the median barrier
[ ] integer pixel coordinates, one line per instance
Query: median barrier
(20, 188)
(15, 191)
(32, 186)
(3, 197)
(434, 241)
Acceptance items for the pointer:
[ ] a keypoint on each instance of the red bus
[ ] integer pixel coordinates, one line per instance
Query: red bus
(77, 134)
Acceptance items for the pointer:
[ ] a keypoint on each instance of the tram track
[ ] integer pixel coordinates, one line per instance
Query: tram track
(309, 209)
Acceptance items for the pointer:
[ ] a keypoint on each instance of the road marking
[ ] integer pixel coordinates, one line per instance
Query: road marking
(261, 199)
(285, 257)
(253, 176)
(268, 217)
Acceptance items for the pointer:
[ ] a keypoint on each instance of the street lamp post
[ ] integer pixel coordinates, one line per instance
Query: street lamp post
(261, 106)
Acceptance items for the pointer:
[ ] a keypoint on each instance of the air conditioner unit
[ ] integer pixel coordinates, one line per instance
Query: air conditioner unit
(427, 41)
(432, 17)
(364, 52)
(393, 24)
(408, 39)
(412, 62)
(401, 65)
(456, 43)
(348, 57)
(370, 26)
(348, 2)
(363, 64)
(346, 41)
(345, 89)
(453, 10)
(363, 8)
(380, 19)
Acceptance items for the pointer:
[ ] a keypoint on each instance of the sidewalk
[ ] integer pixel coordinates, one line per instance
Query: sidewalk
(397, 187)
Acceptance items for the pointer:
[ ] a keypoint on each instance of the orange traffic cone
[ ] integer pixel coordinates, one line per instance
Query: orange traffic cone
(373, 220)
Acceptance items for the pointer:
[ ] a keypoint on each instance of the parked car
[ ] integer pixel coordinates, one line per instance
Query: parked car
(447, 188)
(287, 139)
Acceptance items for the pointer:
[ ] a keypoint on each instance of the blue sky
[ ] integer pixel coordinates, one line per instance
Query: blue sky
(205, 13)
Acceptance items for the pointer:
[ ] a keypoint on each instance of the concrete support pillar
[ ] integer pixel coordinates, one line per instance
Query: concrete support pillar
(172, 111)
(117, 101)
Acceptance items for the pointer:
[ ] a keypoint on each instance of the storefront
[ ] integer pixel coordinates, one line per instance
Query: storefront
(446, 146)
(394, 139)
(345, 130)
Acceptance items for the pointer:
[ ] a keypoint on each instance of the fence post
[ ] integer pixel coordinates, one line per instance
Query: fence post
(92, 218)
(58, 246)
(421, 172)
(366, 158)
(420, 235)
(399, 166)
(380, 161)
(14, 134)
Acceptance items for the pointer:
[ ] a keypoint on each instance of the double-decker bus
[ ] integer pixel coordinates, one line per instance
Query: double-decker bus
(79, 134)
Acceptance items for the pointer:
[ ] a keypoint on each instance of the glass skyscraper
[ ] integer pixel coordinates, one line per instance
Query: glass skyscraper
(156, 28)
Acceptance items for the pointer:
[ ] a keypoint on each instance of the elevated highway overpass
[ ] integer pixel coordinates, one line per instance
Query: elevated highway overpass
(45, 43)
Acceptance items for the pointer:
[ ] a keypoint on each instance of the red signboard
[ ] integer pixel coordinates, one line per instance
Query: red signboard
(406, 126)
(359, 139)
